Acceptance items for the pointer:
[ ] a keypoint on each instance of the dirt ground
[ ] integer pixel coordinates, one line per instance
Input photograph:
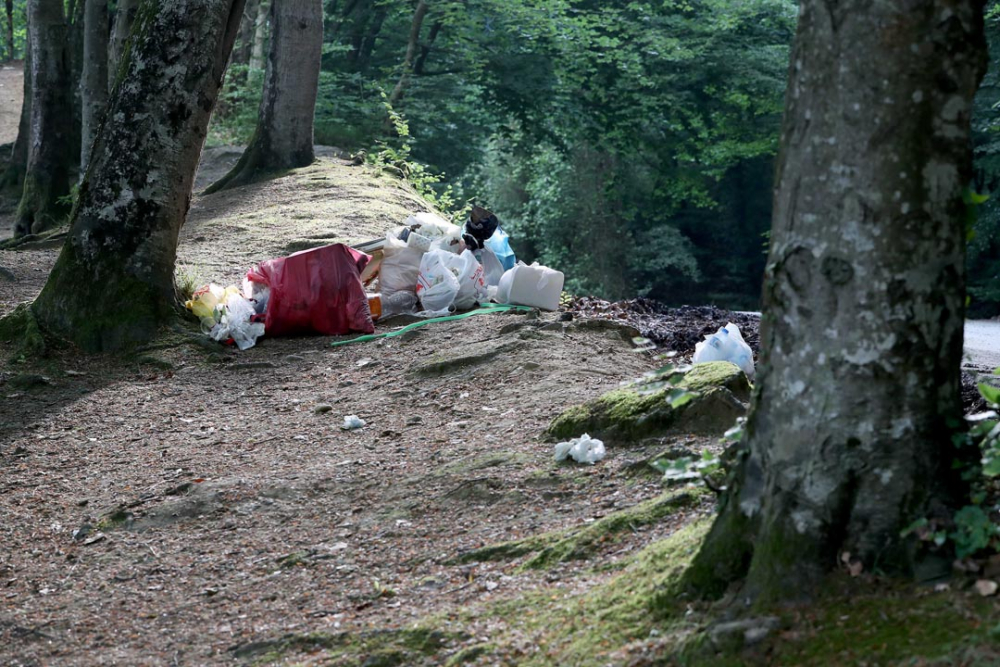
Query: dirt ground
(182, 507)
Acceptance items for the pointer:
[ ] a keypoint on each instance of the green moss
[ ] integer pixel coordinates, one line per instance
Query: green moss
(588, 629)
(625, 415)
(580, 543)
(21, 328)
(379, 648)
(717, 374)
(469, 654)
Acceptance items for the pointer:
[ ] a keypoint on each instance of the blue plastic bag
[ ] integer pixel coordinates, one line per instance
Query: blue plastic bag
(499, 243)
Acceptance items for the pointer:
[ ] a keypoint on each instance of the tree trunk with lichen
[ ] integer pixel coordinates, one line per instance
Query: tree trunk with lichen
(850, 437)
(124, 18)
(113, 284)
(47, 179)
(284, 135)
(94, 84)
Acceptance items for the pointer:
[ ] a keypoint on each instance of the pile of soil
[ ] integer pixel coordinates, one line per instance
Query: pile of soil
(674, 329)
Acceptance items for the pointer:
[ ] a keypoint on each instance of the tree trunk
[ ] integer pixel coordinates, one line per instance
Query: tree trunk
(124, 18)
(284, 135)
(411, 52)
(9, 34)
(75, 18)
(94, 84)
(14, 176)
(51, 122)
(244, 44)
(425, 49)
(367, 45)
(259, 37)
(113, 284)
(849, 439)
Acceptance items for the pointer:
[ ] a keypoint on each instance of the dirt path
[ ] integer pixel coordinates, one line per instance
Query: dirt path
(192, 509)
(11, 95)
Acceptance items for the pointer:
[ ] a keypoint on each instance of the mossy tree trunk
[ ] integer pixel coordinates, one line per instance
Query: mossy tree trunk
(124, 18)
(47, 178)
(94, 84)
(13, 178)
(849, 439)
(284, 135)
(113, 284)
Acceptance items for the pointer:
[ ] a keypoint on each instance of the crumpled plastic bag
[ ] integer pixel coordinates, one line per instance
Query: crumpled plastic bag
(235, 323)
(499, 243)
(442, 234)
(447, 280)
(726, 344)
(209, 301)
(583, 450)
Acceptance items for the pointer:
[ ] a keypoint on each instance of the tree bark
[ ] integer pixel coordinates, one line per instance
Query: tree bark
(94, 84)
(124, 18)
(849, 439)
(425, 49)
(14, 176)
(284, 135)
(9, 33)
(259, 36)
(47, 178)
(113, 284)
(411, 52)
(244, 44)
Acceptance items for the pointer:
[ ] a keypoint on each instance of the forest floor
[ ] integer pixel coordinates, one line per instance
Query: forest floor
(185, 506)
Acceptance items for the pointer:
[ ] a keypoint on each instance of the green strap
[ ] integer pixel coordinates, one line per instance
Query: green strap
(486, 309)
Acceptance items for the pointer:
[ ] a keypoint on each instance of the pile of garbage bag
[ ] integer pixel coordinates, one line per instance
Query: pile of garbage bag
(427, 267)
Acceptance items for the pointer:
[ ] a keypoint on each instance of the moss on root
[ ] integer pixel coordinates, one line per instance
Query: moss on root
(20, 328)
(580, 543)
(626, 415)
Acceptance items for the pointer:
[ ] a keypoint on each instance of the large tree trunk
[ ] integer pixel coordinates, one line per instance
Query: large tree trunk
(259, 37)
(849, 440)
(94, 84)
(113, 284)
(9, 32)
(411, 52)
(47, 179)
(284, 135)
(244, 44)
(14, 176)
(124, 18)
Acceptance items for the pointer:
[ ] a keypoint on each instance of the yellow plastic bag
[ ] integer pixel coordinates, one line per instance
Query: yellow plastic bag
(207, 301)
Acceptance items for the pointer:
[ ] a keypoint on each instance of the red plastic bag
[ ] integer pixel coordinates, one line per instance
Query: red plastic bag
(316, 290)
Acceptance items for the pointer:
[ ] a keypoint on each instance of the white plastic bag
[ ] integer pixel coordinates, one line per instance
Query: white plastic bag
(583, 450)
(443, 234)
(235, 323)
(726, 344)
(492, 268)
(447, 280)
(471, 280)
(437, 284)
(400, 265)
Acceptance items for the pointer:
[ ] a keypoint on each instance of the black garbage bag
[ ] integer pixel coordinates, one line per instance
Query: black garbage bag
(480, 227)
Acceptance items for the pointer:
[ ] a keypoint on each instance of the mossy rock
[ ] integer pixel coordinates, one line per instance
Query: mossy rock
(625, 415)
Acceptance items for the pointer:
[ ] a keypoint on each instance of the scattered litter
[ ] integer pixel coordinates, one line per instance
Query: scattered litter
(986, 587)
(726, 345)
(352, 422)
(583, 450)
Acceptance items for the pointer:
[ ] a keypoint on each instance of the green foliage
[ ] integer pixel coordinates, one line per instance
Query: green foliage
(235, 117)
